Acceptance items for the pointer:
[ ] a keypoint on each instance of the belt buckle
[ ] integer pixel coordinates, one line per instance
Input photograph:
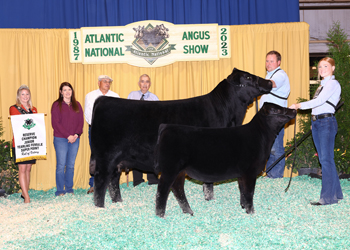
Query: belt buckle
(313, 118)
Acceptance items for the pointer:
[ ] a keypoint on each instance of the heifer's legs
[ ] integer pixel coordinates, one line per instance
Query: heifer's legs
(165, 182)
(101, 180)
(114, 188)
(247, 187)
(208, 189)
(179, 192)
(241, 190)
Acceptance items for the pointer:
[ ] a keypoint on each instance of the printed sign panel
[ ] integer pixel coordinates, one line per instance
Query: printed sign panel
(149, 43)
(74, 46)
(225, 44)
(30, 136)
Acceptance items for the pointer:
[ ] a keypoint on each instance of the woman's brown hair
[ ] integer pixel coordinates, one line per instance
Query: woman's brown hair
(73, 100)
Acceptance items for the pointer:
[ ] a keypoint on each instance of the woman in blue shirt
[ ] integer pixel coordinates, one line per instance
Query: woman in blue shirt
(324, 129)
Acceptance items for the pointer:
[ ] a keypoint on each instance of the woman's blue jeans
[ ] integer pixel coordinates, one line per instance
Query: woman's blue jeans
(65, 160)
(323, 134)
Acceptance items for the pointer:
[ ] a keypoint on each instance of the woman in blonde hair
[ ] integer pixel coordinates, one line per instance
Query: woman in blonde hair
(324, 128)
(23, 106)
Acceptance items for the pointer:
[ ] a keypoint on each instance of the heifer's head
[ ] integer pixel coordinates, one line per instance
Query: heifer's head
(249, 86)
(277, 116)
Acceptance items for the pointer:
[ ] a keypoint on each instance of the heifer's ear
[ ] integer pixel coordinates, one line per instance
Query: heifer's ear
(265, 109)
(231, 77)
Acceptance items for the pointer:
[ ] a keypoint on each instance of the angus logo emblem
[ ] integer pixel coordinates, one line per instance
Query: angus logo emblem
(28, 124)
(151, 42)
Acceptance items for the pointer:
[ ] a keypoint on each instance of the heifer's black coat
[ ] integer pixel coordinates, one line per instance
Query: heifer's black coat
(217, 154)
(124, 132)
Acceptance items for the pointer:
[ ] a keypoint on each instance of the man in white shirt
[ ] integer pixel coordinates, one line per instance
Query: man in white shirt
(278, 95)
(144, 95)
(104, 84)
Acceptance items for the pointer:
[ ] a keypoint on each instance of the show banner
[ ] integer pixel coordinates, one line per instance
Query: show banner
(149, 43)
(30, 136)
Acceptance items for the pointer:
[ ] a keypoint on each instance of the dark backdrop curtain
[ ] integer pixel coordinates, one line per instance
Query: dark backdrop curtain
(85, 13)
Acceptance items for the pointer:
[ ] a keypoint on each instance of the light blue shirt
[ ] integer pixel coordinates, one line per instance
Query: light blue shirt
(136, 95)
(331, 92)
(282, 88)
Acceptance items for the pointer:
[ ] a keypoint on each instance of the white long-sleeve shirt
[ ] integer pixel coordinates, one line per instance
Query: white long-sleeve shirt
(90, 99)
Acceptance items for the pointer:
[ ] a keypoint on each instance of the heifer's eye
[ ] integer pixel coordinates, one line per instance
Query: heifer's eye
(248, 77)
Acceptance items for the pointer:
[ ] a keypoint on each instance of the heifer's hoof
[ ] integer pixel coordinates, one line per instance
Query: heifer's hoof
(209, 198)
(188, 211)
(99, 204)
(208, 191)
(160, 214)
(250, 211)
(117, 200)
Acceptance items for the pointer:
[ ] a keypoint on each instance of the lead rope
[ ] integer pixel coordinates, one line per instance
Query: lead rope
(286, 153)
(295, 156)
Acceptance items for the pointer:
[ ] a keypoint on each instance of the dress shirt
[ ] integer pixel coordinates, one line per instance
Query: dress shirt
(136, 95)
(90, 100)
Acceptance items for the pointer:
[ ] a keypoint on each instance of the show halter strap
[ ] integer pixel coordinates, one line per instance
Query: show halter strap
(256, 99)
(22, 111)
(318, 91)
(275, 73)
(284, 98)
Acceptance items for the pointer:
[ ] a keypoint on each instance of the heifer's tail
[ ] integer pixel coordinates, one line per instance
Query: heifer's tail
(162, 126)
(92, 166)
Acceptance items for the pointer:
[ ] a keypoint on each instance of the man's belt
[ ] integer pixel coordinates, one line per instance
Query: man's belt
(317, 117)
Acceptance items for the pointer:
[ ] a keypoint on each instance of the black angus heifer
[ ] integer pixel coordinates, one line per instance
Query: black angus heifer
(216, 154)
(124, 132)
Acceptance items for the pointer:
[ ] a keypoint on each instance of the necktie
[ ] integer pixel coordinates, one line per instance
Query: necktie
(142, 97)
